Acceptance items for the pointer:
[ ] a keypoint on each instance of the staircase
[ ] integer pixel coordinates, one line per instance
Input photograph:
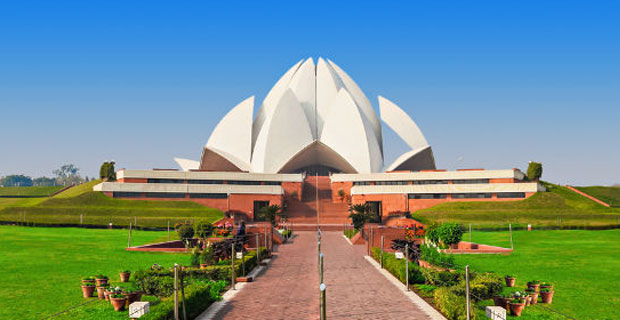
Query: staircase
(303, 214)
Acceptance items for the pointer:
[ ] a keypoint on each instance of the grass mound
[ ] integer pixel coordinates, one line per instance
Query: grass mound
(609, 195)
(557, 207)
(28, 191)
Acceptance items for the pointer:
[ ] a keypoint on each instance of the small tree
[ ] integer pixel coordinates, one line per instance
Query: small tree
(341, 195)
(203, 229)
(534, 171)
(359, 215)
(107, 171)
(185, 232)
(451, 233)
(270, 212)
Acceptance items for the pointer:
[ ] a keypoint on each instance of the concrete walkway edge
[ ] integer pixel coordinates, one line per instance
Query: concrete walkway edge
(215, 307)
(421, 303)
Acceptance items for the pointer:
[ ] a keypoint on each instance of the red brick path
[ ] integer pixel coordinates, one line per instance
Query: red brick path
(289, 287)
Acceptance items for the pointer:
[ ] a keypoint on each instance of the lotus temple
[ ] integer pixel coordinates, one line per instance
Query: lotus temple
(315, 146)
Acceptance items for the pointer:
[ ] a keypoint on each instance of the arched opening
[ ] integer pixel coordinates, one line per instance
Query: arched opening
(317, 158)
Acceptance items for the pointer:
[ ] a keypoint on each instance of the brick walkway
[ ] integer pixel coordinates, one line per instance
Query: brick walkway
(289, 287)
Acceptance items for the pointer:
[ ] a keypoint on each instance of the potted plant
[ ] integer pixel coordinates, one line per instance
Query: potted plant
(534, 285)
(500, 300)
(125, 275)
(89, 279)
(87, 289)
(534, 297)
(118, 300)
(101, 280)
(516, 306)
(132, 294)
(546, 294)
(546, 285)
(101, 291)
(510, 280)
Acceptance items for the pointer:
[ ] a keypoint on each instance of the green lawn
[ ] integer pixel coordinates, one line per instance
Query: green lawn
(583, 265)
(29, 191)
(41, 268)
(558, 206)
(609, 195)
(98, 209)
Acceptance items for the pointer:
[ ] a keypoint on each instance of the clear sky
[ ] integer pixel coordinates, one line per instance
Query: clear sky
(491, 84)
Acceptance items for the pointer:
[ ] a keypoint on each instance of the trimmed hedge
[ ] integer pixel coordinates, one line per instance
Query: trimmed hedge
(398, 268)
(453, 306)
(198, 297)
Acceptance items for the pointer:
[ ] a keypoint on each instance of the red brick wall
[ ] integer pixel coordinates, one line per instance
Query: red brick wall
(345, 186)
(132, 180)
(290, 187)
(389, 202)
(502, 180)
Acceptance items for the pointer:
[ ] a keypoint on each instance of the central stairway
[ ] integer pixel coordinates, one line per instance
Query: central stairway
(303, 214)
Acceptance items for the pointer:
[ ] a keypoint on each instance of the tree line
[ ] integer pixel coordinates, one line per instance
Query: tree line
(67, 174)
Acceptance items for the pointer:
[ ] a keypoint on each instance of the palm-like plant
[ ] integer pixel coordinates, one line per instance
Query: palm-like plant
(359, 215)
(270, 212)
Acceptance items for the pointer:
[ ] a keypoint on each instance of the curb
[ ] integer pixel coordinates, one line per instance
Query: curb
(215, 307)
(423, 305)
(348, 240)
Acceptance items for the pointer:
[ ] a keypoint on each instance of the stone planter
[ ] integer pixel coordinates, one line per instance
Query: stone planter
(547, 297)
(516, 308)
(534, 297)
(125, 276)
(510, 282)
(101, 292)
(118, 303)
(87, 291)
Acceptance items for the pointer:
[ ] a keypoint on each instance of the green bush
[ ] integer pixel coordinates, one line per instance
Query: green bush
(432, 233)
(453, 306)
(433, 256)
(398, 267)
(198, 297)
(207, 256)
(185, 231)
(442, 278)
(195, 260)
(203, 229)
(534, 171)
(451, 233)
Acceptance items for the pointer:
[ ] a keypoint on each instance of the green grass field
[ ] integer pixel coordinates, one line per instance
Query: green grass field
(42, 267)
(609, 195)
(98, 209)
(583, 265)
(558, 206)
(29, 191)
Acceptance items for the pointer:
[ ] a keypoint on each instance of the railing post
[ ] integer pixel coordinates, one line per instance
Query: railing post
(176, 291)
(168, 230)
(81, 219)
(407, 266)
(129, 239)
(323, 301)
(321, 267)
(266, 247)
(232, 265)
(510, 228)
(258, 249)
(319, 252)
(470, 232)
(367, 243)
(467, 292)
(381, 252)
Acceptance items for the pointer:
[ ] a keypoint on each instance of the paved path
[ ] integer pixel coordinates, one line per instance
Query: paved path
(289, 287)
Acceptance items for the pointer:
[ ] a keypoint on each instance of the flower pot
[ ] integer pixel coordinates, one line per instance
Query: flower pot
(118, 303)
(550, 287)
(132, 297)
(87, 291)
(510, 282)
(106, 293)
(101, 282)
(547, 297)
(125, 276)
(534, 286)
(499, 301)
(534, 297)
(85, 281)
(101, 292)
(516, 308)
(507, 303)
(528, 300)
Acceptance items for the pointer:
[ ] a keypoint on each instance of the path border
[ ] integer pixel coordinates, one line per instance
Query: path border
(421, 303)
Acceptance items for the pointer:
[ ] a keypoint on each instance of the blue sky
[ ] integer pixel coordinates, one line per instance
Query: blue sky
(491, 84)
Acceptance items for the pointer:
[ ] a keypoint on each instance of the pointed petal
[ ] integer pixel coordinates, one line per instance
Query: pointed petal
(402, 124)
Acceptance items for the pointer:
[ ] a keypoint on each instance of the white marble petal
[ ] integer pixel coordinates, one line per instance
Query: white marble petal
(233, 135)
(348, 133)
(283, 135)
(327, 85)
(402, 124)
(187, 164)
(303, 85)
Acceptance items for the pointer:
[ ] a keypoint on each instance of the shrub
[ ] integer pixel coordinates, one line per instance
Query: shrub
(433, 256)
(432, 233)
(451, 233)
(398, 268)
(534, 171)
(453, 306)
(359, 215)
(198, 296)
(207, 256)
(203, 229)
(442, 278)
(195, 260)
(185, 231)
(482, 286)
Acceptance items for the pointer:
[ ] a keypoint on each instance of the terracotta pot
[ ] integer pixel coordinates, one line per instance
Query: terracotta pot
(125, 276)
(516, 308)
(547, 287)
(499, 301)
(88, 281)
(101, 292)
(534, 286)
(118, 303)
(507, 303)
(107, 295)
(203, 266)
(132, 297)
(510, 282)
(87, 291)
(534, 297)
(547, 297)
(527, 300)
(101, 282)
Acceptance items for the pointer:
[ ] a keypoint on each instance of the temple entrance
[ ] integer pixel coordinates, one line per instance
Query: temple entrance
(258, 205)
(375, 209)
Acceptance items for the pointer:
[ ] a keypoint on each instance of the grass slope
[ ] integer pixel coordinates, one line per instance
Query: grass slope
(609, 195)
(582, 264)
(29, 191)
(42, 267)
(557, 206)
(98, 209)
